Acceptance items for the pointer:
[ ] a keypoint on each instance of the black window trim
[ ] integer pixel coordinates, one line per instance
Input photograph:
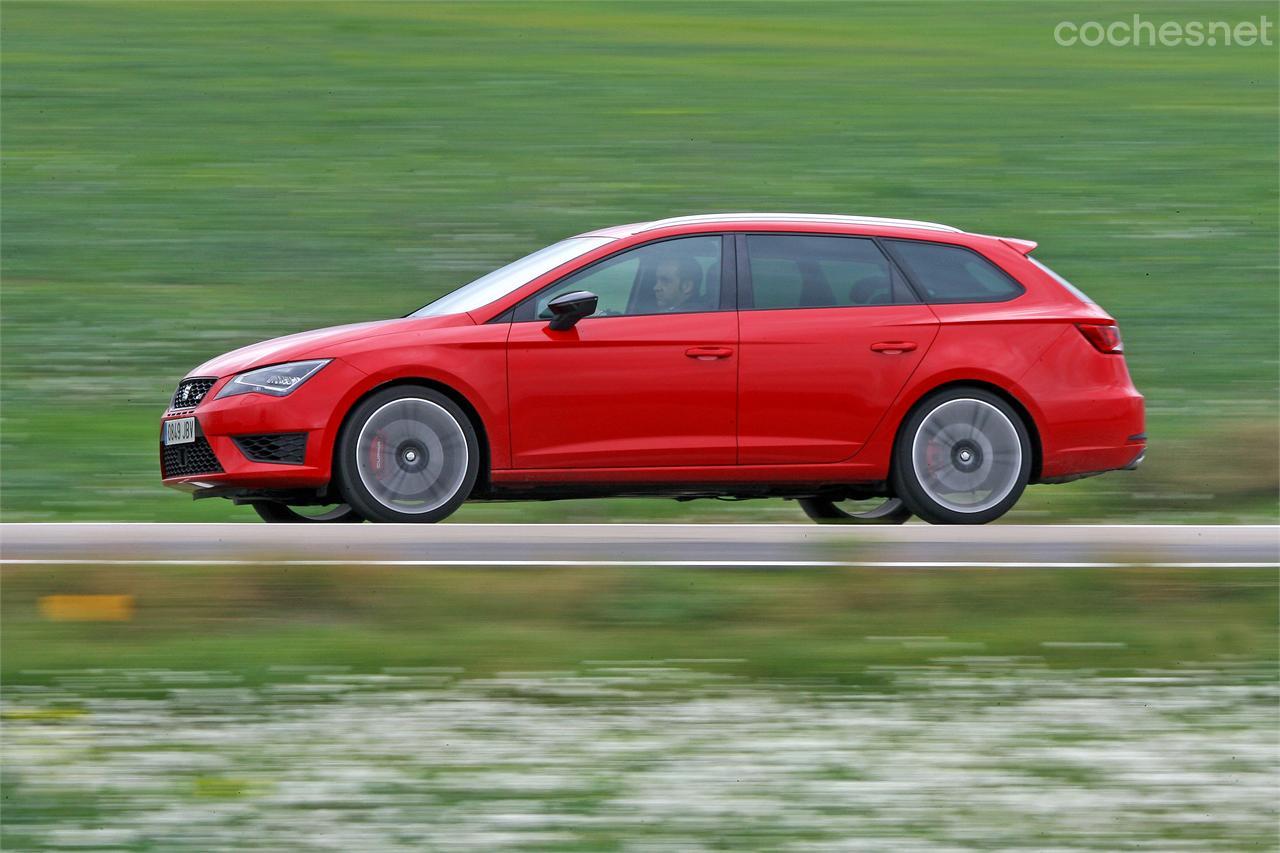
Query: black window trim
(521, 312)
(906, 279)
(746, 294)
(919, 290)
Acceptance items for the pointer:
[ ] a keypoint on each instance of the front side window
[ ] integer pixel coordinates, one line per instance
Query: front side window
(952, 273)
(810, 271)
(680, 276)
(502, 281)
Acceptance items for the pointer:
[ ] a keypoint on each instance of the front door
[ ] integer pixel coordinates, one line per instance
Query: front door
(649, 380)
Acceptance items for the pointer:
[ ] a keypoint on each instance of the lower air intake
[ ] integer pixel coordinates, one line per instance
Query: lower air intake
(289, 448)
(183, 460)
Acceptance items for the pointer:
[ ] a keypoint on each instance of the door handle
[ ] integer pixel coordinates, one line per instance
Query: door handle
(893, 347)
(708, 353)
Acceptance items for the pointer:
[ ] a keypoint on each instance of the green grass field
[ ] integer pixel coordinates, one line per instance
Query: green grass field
(605, 708)
(181, 179)
(775, 624)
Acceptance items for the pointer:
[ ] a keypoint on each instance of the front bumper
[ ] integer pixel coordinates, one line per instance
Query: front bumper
(311, 412)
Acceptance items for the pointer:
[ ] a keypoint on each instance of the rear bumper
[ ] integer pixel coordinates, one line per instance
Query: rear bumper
(1091, 419)
(1137, 460)
(1094, 436)
(1068, 478)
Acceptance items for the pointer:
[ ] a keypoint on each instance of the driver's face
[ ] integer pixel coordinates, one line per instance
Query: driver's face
(667, 287)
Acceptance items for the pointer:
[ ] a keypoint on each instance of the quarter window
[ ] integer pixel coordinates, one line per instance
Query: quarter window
(952, 273)
(680, 276)
(809, 271)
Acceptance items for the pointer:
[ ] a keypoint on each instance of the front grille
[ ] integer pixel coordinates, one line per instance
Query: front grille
(286, 447)
(190, 392)
(183, 460)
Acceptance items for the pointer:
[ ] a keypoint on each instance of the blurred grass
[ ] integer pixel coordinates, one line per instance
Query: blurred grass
(836, 625)
(181, 179)
(388, 708)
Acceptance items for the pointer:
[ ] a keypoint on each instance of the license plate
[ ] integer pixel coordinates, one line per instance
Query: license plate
(179, 431)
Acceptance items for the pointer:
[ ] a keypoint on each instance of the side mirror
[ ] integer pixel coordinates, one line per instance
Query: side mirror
(568, 308)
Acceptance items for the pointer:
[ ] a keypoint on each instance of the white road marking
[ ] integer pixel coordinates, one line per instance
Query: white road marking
(870, 564)
(692, 524)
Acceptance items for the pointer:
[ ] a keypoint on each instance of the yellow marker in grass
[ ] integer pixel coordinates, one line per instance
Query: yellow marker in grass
(87, 608)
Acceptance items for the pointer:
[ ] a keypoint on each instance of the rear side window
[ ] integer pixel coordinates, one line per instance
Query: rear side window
(952, 273)
(807, 271)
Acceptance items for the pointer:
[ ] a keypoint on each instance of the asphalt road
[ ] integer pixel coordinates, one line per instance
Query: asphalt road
(771, 545)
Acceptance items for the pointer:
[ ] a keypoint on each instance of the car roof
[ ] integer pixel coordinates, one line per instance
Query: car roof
(766, 218)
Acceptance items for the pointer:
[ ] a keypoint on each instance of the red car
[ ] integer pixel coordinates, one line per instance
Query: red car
(831, 359)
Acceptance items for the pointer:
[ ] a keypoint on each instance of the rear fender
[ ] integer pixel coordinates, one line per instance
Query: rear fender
(1004, 359)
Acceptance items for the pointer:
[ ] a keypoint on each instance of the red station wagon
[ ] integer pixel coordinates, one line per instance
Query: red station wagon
(872, 369)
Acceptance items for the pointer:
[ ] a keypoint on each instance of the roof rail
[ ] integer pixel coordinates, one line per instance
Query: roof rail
(710, 218)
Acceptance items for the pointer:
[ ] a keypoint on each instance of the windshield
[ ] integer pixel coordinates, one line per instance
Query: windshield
(502, 281)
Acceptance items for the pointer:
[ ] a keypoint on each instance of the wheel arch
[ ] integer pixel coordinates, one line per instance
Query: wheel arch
(468, 408)
(1024, 412)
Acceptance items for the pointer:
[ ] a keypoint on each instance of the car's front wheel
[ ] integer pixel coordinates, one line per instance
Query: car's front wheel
(278, 513)
(407, 454)
(963, 456)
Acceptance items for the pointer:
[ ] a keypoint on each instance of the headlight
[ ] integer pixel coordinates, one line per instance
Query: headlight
(277, 380)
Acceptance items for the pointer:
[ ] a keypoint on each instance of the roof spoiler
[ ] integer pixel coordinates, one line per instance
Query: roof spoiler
(1022, 247)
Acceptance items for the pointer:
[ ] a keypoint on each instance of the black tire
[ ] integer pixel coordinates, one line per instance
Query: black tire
(824, 511)
(963, 456)
(407, 454)
(278, 513)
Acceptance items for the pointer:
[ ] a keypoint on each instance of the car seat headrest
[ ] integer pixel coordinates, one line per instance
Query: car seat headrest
(872, 290)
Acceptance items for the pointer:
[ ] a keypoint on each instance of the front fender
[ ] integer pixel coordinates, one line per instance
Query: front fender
(469, 360)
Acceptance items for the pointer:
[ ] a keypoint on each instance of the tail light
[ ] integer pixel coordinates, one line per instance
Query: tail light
(1105, 338)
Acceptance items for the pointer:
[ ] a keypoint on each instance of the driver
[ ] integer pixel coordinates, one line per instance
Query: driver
(676, 283)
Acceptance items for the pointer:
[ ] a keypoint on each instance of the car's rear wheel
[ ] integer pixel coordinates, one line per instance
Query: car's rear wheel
(407, 454)
(278, 513)
(877, 511)
(963, 456)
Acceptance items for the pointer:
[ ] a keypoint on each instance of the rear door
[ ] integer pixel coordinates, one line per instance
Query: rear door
(829, 334)
(650, 379)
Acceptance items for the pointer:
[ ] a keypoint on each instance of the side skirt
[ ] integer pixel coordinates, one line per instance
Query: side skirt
(681, 491)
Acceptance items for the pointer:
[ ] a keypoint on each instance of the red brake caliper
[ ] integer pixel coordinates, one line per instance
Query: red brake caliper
(932, 454)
